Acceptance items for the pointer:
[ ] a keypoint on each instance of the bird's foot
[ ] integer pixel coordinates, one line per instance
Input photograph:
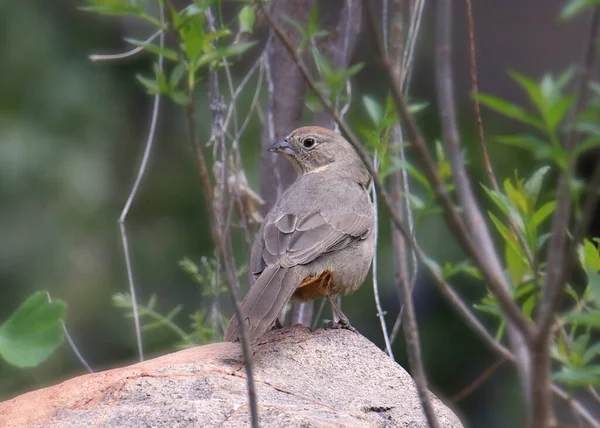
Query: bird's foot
(341, 324)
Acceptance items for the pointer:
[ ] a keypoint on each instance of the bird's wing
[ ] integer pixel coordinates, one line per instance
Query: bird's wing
(257, 262)
(290, 241)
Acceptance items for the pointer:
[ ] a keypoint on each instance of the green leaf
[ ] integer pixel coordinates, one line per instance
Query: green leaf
(180, 98)
(518, 267)
(505, 206)
(411, 170)
(556, 113)
(324, 65)
(589, 257)
(151, 85)
(374, 109)
(575, 7)
(585, 145)
(534, 184)
(223, 52)
(543, 213)
(166, 52)
(590, 353)
(528, 306)
(246, 19)
(586, 319)
(516, 196)
(510, 110)
(33, 332)
(538, 147)
(176, 75)
(582, 376)
(534, 92)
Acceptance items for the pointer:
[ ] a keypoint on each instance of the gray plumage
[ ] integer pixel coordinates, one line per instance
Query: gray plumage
(323, 223)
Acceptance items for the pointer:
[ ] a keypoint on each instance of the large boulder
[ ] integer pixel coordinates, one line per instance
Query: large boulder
(326, 378)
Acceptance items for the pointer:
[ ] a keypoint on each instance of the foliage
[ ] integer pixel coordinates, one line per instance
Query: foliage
(520, 202)
(205, 325)
(33, 331)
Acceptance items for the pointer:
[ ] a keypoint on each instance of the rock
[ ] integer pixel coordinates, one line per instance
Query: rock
(326, 378)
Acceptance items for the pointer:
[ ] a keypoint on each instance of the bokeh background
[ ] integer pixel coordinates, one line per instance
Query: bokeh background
(71, 138)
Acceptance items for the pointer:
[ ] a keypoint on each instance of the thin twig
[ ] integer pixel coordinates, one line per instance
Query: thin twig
(231, 281)
(129, 53)
(559, 261)
(123, 217)
(486, 159)
(380, 312)
(478, 381)
(72, 344)
(400, 182)
(576, 406)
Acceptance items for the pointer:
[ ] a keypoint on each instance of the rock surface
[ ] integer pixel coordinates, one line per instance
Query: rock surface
(326, 378)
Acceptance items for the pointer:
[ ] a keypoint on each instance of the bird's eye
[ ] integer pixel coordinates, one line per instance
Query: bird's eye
(309, 143)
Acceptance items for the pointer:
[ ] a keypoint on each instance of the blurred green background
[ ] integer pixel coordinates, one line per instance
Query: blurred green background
(72, 135)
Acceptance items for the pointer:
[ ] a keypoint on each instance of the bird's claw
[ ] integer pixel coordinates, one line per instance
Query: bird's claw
(342, 324)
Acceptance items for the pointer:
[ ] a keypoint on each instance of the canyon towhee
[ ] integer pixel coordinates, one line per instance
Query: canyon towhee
(318, 238)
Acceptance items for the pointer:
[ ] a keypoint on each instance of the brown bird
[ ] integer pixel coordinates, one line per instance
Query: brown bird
(318, 238)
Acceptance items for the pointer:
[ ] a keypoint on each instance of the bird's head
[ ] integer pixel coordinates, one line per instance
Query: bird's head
(312, 149)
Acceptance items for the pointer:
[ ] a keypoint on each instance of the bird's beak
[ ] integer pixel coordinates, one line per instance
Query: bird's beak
(282, 146)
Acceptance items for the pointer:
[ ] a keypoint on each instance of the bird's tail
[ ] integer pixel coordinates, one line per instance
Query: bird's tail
(264, 301)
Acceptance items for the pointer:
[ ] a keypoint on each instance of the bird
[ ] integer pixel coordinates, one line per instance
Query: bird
(318, 238)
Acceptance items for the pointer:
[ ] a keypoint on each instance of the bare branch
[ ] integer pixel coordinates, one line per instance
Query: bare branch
(73, 345)
(380, 312)
(478, 230)
(123, 217)
(576, 406)
(129, 53)
(486, 159)
(399, 181)
(478, 381)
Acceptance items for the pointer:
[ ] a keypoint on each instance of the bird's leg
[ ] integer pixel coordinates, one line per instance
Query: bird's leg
(343, 322)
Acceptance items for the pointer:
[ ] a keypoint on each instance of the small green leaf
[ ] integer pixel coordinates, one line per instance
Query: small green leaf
(221, 53)
(582, 376)
(374, 109)
(176, 75)
(151, 85)
(531, 88)
(534, 184)
(543, 213)
(324, 65)
(510, 110)
(528, 306)
(33, 332)
(246, 19)
(531, 143)
(556, 113)
(411, 170)
(585, 145)
(575, 7)
(585, 319)
(180, 98)
(517, 265)
(590, 353)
